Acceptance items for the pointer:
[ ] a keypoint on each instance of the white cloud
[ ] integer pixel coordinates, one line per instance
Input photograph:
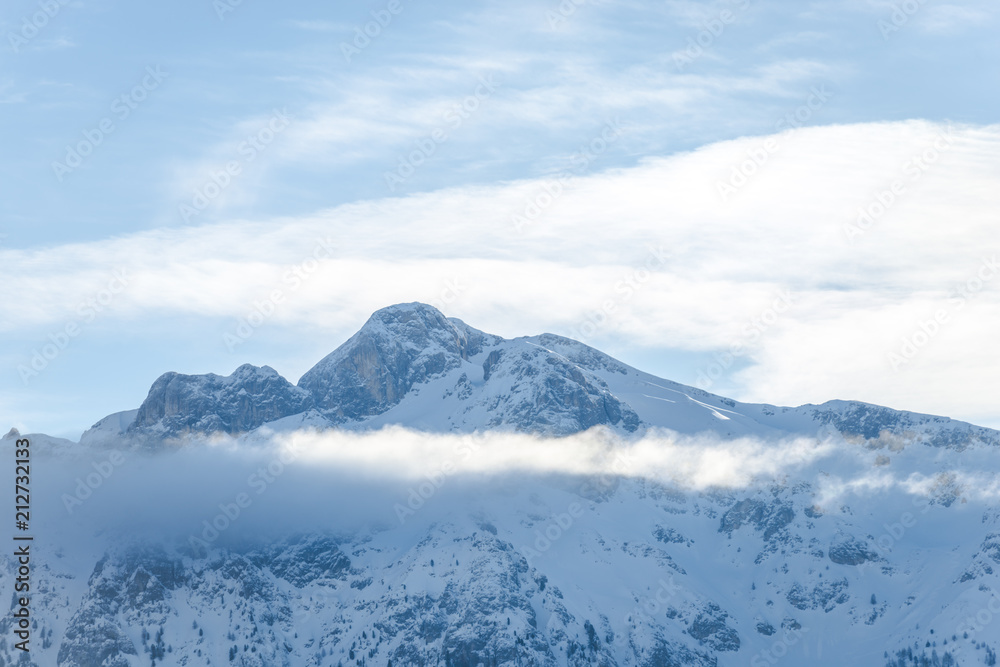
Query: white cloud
(682, 461)
(370, 476)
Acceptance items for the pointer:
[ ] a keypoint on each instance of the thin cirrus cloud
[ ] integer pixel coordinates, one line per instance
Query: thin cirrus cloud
(684, 265)
(952, 18)
(369, 112)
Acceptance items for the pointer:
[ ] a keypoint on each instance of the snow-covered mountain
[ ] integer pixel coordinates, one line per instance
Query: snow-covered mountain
(410, 365)
(716, 533)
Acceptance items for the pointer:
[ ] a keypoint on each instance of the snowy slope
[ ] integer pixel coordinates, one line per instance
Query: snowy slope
(559, 570)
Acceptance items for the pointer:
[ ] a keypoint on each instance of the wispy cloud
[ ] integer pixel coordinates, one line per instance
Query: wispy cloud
(951, 18)
(365, 113)
(8, 96)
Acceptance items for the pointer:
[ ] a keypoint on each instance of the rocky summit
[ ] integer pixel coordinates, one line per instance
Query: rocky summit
(410, 365)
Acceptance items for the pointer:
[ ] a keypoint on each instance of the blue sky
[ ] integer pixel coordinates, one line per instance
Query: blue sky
(224, 141)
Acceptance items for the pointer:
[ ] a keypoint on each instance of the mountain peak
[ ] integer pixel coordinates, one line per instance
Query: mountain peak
(404, 318)
(411, 321)
(411, 307)
(398, 346)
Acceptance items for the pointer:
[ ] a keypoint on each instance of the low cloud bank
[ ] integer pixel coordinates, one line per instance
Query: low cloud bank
(225, 490)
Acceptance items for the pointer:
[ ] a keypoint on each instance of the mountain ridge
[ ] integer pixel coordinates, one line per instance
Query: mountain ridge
(410, 365)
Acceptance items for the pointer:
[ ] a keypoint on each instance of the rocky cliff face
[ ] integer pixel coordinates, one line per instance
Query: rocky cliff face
(240, 402)
(397, 348)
